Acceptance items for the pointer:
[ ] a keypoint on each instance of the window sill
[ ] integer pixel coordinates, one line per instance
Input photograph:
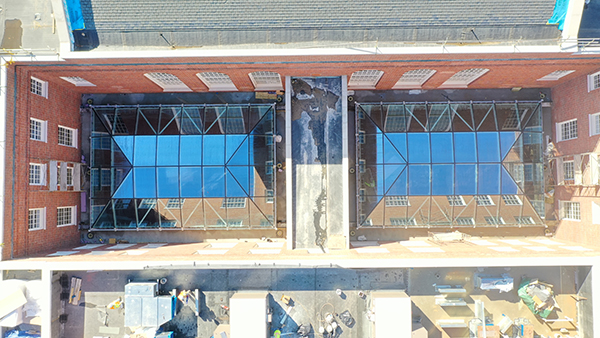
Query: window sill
(36, 229)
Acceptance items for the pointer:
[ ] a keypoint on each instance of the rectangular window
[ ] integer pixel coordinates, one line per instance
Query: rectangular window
(69, 175)
(174, 203)
(570, 211)
(37, 174)
(528, 172)
(234, 202)
(403, 221)
(168, 82)
(230, 222)
(67, 136)
(38, 129)
(217, 81)
(569, 170)
(265, 80)
(397, 201)
(364, 79)
(492, 220)
(77, 81)
(39, 87)
(414, 78)
(465, 221)
(65, 216)
(484, 200)
(456, 200)
(105, 179)
(463, 78)
(594, 124)
(593, 81)
(524, 220)
(269, 193)
(147, 203)
(37, 219)
(121, 204)
(566, 130)
(511, 200)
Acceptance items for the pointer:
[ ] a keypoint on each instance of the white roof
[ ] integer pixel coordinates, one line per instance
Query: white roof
(248, 315)
(393, 314)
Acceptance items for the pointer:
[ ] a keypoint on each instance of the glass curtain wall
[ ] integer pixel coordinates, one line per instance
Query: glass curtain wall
(451, 164)
(182, 167)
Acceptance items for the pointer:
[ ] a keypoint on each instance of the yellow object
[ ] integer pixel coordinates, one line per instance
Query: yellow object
(286, 299)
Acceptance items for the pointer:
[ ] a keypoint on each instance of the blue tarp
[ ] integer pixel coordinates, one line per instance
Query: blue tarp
(560, 12)
(75, 14)
(21, 334)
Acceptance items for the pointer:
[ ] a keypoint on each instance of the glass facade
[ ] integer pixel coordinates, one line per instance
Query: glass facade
(453, 164)
(186, 166)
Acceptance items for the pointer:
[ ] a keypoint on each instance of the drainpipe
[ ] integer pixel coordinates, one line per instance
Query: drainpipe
(3, 87)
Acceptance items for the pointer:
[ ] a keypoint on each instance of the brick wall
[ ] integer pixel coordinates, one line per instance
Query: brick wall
(61, 107)
(506, 70)
(571, 100)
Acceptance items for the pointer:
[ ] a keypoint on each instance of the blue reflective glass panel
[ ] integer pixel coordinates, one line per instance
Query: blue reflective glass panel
(144, 182)
(398, 140)
(391, 154)
(489, 179)
(234, 189)
(239, 176)
(465, 150)
(233, 144)
(488, 147)
(507, 139)
(465, 179)
(392, 172)
(190, 180)
(125, 143)
(125, 190)
(442, 150)
(168, 150)
(239, 155)
(419, 179)
(442, 179)
(145, 151)
(509, 186)
(418, 148)
(190, 150)
(213, 149)
(168, 179)
(400, 186)
(214, 181)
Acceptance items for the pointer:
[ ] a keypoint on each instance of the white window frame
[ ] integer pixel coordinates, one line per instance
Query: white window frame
(147, 203)
(234, 203)
(593, 81)
(43, 126)
(403, 221)
(397, 201)
(512, 200)
(365, 79)
(570, 210)
(484, 200)
(266, 81)
(559, 130)
(42, 219)
(42, 174)
(216, 81)
(494, 220)
(464, 221)
(72, 212)
(74, 133)
(39, 87)
(555, 75)
(414, 79)
(464, 78)
(69, 175)
(168, 82)
(594, 124)
(569, 170)
(524, 220)
(78, 81)
(174, 203)
(595, 212)
(456, 200)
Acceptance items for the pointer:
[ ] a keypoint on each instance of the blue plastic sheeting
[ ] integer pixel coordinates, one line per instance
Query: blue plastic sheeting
(20, 334)
(559, 14)
(75, 14)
